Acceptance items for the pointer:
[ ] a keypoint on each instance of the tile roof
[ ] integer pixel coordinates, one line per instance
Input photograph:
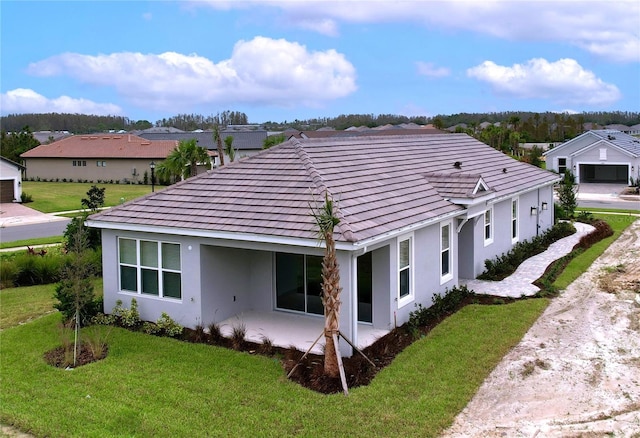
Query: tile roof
(242, 140)
(455, 185)
(624, 141)
(379, 185)
(103, 146)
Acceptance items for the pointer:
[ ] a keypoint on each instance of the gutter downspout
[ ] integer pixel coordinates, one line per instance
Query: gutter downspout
(354, 300)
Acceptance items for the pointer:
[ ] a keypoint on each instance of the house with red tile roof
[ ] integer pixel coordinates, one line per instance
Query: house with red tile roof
(418, 215)
(96, 157)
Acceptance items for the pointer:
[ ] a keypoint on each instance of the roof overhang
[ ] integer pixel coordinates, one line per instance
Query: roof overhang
(527, 190)
(268, 239)
(467, 202)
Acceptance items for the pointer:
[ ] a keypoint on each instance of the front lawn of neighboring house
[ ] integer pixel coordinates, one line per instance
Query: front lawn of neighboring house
(32, 242)
(52, 197)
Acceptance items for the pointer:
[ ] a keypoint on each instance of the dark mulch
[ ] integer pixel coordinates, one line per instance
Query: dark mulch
(62, 357)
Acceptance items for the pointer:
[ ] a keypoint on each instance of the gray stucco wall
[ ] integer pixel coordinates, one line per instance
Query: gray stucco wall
(185, 311)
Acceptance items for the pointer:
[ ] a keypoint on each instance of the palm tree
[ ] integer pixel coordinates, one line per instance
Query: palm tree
(228, 148)
(218, 139)
(326, 221)
(183, 161)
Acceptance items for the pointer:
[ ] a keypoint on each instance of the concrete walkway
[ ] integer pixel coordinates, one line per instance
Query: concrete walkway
(520, 283)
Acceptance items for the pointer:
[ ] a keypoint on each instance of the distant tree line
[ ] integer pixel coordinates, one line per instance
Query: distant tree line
(191, 122)
(11, 146)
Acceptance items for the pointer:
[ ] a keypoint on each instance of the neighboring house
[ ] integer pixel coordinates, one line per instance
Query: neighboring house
(417, 215)
(598, 156)
(364, 131)
(10, 181)
(246, 141)
(96, 157)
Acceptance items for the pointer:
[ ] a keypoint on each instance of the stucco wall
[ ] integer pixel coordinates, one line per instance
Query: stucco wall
(115, 169)
(12, 173)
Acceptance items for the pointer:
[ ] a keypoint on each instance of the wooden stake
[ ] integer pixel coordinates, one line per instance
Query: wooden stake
(343, 379)
(356, 348)
(305, 355)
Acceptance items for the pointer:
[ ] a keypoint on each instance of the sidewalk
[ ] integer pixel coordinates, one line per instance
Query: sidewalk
(520, 283)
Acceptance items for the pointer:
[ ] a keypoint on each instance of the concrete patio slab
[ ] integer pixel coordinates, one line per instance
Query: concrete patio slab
(288, 329)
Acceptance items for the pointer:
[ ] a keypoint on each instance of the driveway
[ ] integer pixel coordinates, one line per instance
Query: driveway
(18, 214)
(577, 370)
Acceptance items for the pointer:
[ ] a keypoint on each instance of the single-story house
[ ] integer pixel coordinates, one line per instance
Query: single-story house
(598, 156)
(10, 180)
(247, 141)
(418, 214)
(96, 157)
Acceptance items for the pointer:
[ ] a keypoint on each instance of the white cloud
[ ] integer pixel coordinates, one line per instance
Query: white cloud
(24, 100)
(562, 82)
(263, 70)
(609, 31)
(430, 70)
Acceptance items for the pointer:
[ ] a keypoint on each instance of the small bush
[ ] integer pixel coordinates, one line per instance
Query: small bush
(102, 319)
(127, 317)
(602, 231)
(442, 306)
(237, 336)
(26, 198)
(150, 328)
(96, 340)
(168, 326)
(214, 332)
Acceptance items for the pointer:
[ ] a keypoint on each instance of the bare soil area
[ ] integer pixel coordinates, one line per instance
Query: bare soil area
(576, 373)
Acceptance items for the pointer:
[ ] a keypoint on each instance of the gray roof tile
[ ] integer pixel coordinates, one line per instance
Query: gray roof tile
(379, 185)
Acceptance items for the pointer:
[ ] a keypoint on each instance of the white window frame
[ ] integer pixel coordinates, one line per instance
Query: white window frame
(403, 301)
(448, 276)
(603, 154)
(515, 222)
(490, 224)
(566, 164)
(138, 266)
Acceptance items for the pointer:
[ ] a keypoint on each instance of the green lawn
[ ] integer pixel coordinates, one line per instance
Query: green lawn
(149, 386)
(581, 262)
(51, 197)
(32, 242)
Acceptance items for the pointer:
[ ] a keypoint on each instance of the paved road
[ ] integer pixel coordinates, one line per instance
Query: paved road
(35, 230)
(613, 204)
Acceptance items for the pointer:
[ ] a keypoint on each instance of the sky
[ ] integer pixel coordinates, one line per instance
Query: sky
(301, 59)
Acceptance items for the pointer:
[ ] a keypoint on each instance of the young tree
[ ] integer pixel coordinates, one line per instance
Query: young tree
(95, 198)
(567, 193)
(326, 221)
(228, 148)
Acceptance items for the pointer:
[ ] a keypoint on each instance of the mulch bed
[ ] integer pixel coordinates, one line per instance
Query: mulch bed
(62, 357)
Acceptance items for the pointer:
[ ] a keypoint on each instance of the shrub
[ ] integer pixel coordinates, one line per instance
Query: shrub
(237, 336)
(150, 328)
(168, 326)
(26, 198)
(102, 319)
(602, 231)
(214, 332)
(127, 317)
(33, 269)
(442, 306)
(505, 264)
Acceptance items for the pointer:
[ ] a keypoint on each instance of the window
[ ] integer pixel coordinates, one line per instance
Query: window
(603, 154)
(488, 226)
(75, 163)
(101, 163)
(299, 283)
(405, 275)
(514, 220)
(562, 165)
(150, 267)
(445, 253)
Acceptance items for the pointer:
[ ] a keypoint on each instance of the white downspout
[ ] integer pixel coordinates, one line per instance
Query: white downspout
(354, 299)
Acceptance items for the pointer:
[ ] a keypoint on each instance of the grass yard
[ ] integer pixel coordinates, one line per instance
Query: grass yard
(32, 242)
(52, 197)
(581, 262)
(150, 386)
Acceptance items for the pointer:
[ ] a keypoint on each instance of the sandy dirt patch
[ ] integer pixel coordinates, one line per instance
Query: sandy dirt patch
(576, 373)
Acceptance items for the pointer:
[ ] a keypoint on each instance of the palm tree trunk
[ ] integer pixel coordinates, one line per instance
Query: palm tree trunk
(331, 290)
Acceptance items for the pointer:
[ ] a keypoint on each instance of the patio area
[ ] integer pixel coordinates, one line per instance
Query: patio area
(289, 329)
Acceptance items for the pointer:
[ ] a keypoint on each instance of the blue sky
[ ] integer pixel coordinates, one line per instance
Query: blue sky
(299, 59)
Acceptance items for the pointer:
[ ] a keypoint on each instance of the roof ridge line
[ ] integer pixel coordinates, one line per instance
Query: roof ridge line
(318, 181)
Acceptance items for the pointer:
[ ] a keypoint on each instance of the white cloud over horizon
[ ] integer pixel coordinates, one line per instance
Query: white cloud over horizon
(24, 100)
(609, 32)
(430, 70)
(562, 82)
(259, 71)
